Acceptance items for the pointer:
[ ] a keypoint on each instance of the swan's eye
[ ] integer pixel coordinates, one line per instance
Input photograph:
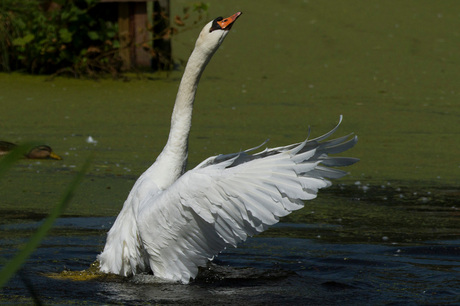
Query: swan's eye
(215, 25)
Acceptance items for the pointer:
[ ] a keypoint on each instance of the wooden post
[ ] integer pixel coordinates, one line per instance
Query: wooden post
(133, 33)
(124, 34)
(140, 34)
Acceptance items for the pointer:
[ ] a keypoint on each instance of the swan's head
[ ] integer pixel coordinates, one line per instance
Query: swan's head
(213, 34)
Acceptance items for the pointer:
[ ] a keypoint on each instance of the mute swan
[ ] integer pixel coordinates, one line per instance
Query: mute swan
(38, 152)
(175, 221)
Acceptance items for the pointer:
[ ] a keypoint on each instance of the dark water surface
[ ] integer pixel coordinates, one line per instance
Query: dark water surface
(275, 270)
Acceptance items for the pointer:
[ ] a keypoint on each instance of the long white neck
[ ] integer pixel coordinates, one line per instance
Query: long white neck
(173, 159)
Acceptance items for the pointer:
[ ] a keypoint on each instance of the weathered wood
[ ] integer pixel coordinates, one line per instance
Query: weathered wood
(124, 34)
(135, 39)
(140, 34)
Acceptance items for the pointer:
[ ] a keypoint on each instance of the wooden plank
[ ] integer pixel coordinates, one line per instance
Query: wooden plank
(141, 35)
(133, 33)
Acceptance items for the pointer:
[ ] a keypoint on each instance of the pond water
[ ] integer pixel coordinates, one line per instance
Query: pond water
(389, 233)
(294, 263)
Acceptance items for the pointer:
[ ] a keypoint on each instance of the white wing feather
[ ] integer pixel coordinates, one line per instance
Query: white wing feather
(227, 198)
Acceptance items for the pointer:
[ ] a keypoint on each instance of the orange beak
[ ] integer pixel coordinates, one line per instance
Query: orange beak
(227, 23)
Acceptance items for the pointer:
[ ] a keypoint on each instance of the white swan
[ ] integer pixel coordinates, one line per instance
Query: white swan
(173, 222)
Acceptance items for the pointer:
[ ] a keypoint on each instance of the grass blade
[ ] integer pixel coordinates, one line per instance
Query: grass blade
(7, 161)
(15, 263)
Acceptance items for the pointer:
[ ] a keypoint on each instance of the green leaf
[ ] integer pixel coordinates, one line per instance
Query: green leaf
(111, 34)
(65, 35)
(201, 6)
(65, 15)
(22, 41)
(93, 35)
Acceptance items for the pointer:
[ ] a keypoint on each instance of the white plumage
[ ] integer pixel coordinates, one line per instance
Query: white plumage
(174, 222)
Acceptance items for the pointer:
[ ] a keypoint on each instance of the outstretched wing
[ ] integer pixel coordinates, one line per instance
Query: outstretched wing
(230, 197)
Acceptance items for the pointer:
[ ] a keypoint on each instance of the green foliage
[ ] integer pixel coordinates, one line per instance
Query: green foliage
(57, 36)
(51, 36)
(200, 7)
(165, 26)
